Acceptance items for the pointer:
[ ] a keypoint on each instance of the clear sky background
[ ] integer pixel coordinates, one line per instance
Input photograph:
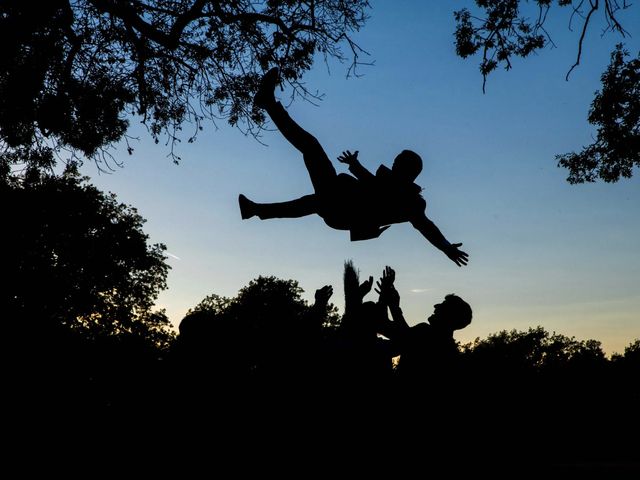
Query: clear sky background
(542, 252)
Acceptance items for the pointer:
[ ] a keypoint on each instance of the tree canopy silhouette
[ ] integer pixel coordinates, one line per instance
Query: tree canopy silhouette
(616, 112)
(73, 73)
(503, 32)
(535, 350)
(76, 257)
(262, 329)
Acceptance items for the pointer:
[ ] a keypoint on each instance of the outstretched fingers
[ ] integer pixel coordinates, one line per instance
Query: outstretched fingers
(348, 157)
(461, 261)
(389, 273)
(385, 284)
(459, 257)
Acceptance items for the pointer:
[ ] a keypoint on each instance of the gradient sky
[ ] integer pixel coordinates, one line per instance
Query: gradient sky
(542, 252)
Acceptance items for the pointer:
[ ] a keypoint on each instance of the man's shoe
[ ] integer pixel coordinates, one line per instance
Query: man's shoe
(247, 207)
(264, 96)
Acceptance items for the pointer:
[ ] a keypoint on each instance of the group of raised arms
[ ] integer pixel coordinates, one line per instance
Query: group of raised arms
(270, 338)
(378, 338)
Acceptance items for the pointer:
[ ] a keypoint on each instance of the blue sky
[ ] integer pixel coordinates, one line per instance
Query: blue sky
(542, 252)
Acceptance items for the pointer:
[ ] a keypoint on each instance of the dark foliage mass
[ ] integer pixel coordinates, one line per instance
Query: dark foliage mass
(615, 112)
(260, 333)
(75, 256)
(85, 353)
(73, 73)
(264, 364)
(504, 32)
(79, 282)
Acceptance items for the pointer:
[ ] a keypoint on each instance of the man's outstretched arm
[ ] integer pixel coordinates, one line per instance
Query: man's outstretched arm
(432, 233)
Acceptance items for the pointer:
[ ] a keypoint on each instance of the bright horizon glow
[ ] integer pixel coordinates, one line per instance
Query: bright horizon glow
(542, 252)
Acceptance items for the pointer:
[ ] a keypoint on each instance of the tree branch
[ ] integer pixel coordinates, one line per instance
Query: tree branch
(612, 19)
(128, 15)
(594, 7)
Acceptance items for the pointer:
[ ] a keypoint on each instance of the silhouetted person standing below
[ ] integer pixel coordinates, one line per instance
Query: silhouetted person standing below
(428, 351)
(365, 204)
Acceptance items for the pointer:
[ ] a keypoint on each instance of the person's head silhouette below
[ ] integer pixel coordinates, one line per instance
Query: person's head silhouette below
(450, 315)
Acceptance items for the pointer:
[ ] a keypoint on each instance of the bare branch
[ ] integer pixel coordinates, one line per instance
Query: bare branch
(127, 14)
(594, 7)
(614, 25)
(576, 11)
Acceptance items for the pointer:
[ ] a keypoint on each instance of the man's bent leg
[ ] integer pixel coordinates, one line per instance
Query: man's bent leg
(321, 170)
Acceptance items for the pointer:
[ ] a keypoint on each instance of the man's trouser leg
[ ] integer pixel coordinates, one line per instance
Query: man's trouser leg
(300, 207)
(321, 170)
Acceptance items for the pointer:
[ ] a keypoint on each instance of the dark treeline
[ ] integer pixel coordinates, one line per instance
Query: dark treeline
(85, 350)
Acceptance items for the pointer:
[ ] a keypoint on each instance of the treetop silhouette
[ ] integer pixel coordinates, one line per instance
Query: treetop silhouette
(503, 31)
(73, 74)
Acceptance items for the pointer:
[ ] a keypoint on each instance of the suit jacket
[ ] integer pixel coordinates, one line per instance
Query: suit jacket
(385, 200)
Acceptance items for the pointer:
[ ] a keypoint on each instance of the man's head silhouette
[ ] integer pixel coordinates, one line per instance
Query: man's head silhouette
(407, 165)
(452, 314)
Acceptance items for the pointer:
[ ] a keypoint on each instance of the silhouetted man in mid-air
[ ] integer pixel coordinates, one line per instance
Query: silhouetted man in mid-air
(365, 204)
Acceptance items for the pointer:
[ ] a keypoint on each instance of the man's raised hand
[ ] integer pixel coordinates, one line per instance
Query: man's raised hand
(348, 157)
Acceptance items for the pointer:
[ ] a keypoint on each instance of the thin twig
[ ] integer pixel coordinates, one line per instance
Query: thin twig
(594, 7)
